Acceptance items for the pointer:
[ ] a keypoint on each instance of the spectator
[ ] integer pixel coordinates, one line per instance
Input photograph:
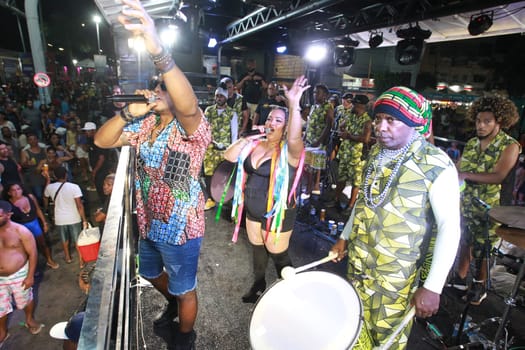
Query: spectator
(69, 214)
(18, 258)
(265, 105)
(27, 212)
(69, 331)
(99, 160)
(101, 213)
(252, 85)
(31, 161)
(33, 117)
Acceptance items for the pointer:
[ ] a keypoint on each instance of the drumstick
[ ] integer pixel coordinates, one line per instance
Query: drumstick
(289, 271)
(398, 330)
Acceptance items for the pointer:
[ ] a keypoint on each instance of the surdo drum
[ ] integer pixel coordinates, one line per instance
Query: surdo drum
(311, 310)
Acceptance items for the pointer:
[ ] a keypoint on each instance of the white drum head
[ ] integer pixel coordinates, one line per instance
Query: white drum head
(312, 310)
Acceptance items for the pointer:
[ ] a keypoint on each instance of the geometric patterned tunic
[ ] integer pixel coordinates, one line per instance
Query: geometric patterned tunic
(384, 244)
(476, 161)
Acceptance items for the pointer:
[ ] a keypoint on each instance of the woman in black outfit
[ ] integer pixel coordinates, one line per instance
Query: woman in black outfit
(279, 148)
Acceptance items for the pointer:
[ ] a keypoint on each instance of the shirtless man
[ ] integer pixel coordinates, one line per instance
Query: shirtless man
(18, 258)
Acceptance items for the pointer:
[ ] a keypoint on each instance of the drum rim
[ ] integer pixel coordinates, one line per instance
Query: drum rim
(360, 322)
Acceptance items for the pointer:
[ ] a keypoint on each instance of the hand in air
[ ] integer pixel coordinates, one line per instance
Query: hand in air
(294, 93)
(132, 11)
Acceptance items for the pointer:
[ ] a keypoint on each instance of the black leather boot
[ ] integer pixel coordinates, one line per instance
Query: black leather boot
(281, 260)
(260, 260)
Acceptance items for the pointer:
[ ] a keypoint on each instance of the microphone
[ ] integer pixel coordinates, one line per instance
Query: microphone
(130, 99)
(482, 203)
(252, 132)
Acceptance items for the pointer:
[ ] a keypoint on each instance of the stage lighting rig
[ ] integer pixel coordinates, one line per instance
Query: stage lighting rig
(346, 42)
(480, 23)
(376, 39)
(413, 33)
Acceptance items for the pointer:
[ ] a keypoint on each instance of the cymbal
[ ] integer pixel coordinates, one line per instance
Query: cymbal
(513, 216)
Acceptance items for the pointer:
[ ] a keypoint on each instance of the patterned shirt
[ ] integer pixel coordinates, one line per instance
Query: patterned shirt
(351, 151)
(476, 161)
(317, 122)
(221, 130)
(170, 202)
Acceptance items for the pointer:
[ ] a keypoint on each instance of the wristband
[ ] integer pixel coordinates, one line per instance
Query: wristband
(165, 64)
(126, 115)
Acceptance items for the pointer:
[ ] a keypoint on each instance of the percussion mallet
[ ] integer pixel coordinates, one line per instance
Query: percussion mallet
(398, 330)
(289, 271)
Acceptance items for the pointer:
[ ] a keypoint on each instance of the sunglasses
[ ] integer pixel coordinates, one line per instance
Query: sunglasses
(154, 83)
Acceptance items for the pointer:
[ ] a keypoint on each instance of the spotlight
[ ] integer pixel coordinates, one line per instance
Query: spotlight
(212, 42)
(376, 39)
(316, 52)
(281, 47)
(344, 57)
(173, 31)
(413, 32)
(480, 23)
(409, 51)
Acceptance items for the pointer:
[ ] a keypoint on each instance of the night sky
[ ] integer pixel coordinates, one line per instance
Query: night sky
(62, 24)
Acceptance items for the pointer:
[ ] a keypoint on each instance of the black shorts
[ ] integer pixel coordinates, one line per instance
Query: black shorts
(255, 204)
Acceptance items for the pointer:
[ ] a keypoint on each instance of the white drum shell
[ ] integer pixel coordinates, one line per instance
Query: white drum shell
(312, 310)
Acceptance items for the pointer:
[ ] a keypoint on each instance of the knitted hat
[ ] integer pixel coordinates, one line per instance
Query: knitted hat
(406, 105)
(221, 91)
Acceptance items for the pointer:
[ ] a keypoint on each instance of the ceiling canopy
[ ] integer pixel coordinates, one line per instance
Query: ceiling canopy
(260, 23)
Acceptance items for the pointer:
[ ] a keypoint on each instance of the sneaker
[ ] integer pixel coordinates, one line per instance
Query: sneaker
(168, 315)
(476, 294)
(457, 283)
(209, 204)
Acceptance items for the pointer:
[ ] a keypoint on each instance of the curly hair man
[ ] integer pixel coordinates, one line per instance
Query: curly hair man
(486, 161)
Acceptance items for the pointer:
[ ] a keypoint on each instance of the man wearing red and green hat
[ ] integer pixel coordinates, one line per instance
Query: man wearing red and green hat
(409, 185)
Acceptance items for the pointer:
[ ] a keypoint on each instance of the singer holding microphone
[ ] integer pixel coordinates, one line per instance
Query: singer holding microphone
(266, 176)
(170, 136)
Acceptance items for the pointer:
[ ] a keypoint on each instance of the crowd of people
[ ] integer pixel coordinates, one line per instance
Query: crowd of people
(48, 163)
(407, 202)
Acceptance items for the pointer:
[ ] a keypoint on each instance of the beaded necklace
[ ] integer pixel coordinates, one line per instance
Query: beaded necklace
(384, 157)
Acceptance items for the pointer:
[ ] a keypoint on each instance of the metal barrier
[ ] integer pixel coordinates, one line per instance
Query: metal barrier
(110, 308)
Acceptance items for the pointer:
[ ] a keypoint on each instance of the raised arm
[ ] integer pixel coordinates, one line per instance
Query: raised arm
(295, 140)
(185, 102)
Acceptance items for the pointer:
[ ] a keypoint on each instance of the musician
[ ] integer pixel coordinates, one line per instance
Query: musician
(408, 182)
(355, 129)
(257, 157)
(486, 161)
(318, 127)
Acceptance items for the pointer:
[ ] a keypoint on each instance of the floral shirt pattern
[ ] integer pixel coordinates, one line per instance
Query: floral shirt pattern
(170, 202)
(317, 122)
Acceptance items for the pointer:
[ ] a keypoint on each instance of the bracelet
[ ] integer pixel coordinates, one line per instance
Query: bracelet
(126, 115)
(160, 56)
(165, 64)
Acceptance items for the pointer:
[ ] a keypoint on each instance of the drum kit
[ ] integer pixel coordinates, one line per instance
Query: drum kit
(512, 230)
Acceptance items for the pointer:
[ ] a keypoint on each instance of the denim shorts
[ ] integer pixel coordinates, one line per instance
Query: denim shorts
(179, 261)
(69, 232)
